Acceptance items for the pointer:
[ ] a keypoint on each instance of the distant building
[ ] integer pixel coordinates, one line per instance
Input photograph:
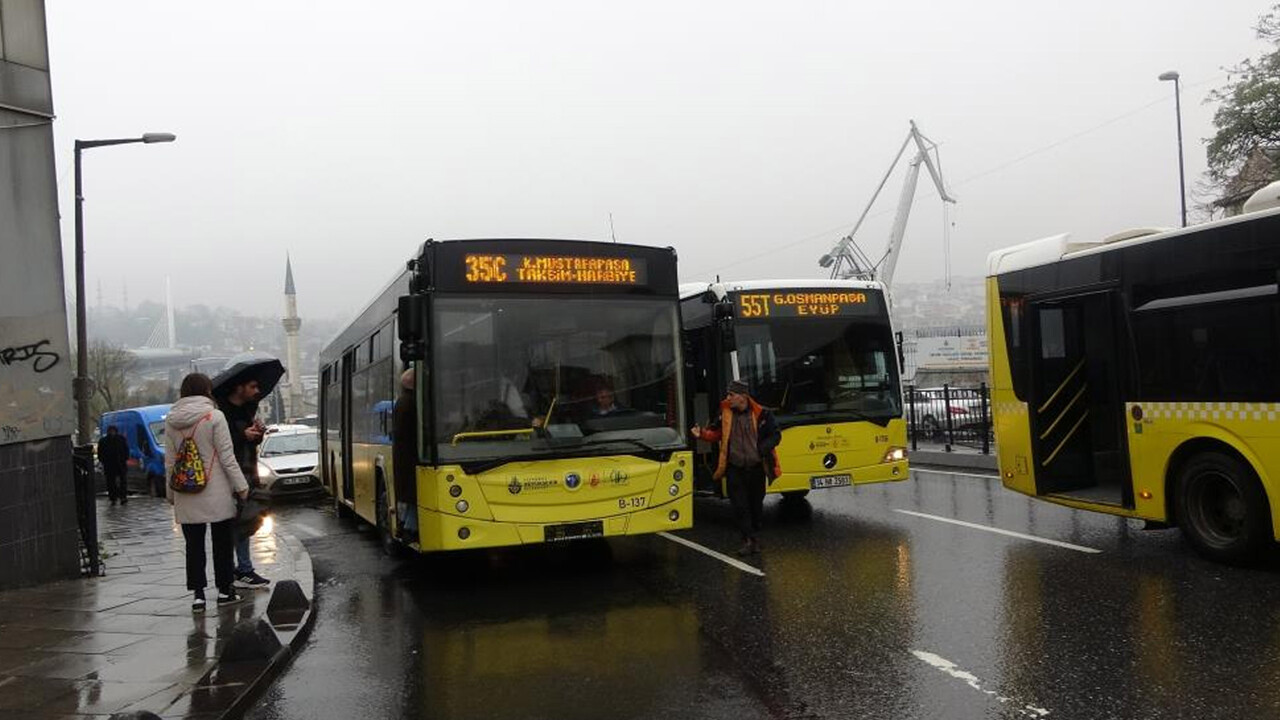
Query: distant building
(39, 537)
(1260, 169)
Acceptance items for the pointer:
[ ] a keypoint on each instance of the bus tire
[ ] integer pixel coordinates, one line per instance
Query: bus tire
(793, 495)
(390, 546)
(1222, 508)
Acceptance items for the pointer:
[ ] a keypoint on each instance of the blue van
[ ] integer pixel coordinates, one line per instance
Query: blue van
(143, 427)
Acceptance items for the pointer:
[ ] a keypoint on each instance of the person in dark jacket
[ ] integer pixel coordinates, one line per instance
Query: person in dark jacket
(113, 453)
(240, 406)
(748, 436)
(404, 456)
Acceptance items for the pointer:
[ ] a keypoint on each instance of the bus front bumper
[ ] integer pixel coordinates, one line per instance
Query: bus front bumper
(839, 477)
(439, 531)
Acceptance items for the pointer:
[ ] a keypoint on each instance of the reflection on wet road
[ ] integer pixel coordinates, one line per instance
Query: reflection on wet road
(889, 601)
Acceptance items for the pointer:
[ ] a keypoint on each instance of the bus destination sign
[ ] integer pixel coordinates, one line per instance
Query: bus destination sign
(554, 269)
(806, 303)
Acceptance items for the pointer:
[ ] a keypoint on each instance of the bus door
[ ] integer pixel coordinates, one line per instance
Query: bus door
(1077, 412)
(345, 457)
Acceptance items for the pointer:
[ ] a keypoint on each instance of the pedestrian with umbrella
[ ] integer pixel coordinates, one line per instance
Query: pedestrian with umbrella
(237, 389)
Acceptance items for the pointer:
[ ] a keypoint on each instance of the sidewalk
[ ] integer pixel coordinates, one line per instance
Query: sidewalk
(129, 641)
(960, 458)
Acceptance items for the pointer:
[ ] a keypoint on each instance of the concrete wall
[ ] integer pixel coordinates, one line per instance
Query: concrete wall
(38, 532)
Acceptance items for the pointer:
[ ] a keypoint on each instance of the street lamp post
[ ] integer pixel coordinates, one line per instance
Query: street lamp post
(84, 426)
(1177, 103)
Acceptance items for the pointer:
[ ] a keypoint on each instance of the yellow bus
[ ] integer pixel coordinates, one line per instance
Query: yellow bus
(821, 355)
(545, 404)
(1139, 376)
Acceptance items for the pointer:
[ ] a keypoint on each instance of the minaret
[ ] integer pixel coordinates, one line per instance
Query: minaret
(292, 323)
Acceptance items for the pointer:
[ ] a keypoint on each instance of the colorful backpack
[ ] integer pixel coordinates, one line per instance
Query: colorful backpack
(188, 474)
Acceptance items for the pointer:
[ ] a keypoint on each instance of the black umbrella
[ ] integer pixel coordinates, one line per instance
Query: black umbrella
(249, 366)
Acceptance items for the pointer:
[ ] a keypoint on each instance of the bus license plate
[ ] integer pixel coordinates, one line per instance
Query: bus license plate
(573, 531)
(818, 482)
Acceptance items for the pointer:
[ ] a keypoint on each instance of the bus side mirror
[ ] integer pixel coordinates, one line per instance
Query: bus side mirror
(411, 327)
(723, 316)
(902, 356)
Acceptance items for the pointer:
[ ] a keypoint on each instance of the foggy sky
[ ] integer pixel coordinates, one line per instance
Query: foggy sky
(749, 136)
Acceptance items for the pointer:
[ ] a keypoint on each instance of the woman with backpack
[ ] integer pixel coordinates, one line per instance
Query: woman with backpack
(204, 480)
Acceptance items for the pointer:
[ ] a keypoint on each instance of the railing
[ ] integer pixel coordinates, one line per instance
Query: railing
(949, 417)
(86, 509)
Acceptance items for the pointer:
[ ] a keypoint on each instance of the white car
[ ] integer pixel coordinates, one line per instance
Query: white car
(287, 461)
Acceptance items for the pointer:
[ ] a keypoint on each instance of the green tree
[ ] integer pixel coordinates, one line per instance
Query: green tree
(1248, 114)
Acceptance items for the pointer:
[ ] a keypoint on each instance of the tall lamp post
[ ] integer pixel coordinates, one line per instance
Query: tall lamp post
(1177, 103)
(82, 394)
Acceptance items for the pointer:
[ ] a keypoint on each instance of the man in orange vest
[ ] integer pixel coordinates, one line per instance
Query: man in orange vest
(747, 434)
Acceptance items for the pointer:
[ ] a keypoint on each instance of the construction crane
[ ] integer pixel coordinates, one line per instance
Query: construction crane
(847, 260)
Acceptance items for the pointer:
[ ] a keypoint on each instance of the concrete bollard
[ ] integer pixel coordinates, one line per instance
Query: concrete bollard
(287, 596)
(251, 640)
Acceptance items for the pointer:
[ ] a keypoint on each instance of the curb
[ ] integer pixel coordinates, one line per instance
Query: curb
(275, 666)
(953, 460)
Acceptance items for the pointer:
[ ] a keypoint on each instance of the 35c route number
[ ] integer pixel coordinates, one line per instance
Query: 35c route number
(630, 503)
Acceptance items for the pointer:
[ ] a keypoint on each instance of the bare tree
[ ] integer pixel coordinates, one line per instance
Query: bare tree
(109, 366)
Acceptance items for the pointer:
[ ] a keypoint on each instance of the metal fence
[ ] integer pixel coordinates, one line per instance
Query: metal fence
(86, 509)
(950, 416)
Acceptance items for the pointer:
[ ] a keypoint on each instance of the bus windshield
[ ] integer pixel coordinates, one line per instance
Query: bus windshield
(821, 370)
(554, 376)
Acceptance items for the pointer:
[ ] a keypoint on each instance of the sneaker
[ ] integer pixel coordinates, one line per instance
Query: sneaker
(251, 581)
(230, 597)
(197, 605)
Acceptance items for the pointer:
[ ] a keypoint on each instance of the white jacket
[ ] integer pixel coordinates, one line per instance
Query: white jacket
(217, 501)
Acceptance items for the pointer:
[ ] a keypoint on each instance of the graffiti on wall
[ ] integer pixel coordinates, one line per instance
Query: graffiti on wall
(35, 379)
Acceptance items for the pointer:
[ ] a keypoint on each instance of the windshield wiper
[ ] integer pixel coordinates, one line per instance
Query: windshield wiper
(604, 441)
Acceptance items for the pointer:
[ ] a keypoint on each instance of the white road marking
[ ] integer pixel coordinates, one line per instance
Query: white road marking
(712, 553)
(957, 474)
(1010, 533)
(946, 666)
(306, 529)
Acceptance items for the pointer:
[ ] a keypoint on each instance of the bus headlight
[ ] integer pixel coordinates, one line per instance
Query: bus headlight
(464, 533)
(895, 454)
(455, 490)
(677, 475)
(462, 506)
(673, 490)
(674, 515)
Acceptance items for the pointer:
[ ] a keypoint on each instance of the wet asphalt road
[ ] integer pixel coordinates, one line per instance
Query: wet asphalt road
(863, 611)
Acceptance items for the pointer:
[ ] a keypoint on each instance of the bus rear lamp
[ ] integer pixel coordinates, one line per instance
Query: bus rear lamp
(894, 454)
(1136, 412)
(463, 506)
(678, 475)
(673, 490)
(674, 515)
(464, 533)
(1145, 495)
(455, 490)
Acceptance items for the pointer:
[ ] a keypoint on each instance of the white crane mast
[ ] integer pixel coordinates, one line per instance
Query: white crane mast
(846, 259)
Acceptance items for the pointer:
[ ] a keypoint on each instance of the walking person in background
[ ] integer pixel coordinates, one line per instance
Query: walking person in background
(113, 453)
(747, 434)
(240, 406)
(203, 483)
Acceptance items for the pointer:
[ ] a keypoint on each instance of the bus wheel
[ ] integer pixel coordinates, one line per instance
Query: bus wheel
(794, 495)
(1222, 508)
(390, 546)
